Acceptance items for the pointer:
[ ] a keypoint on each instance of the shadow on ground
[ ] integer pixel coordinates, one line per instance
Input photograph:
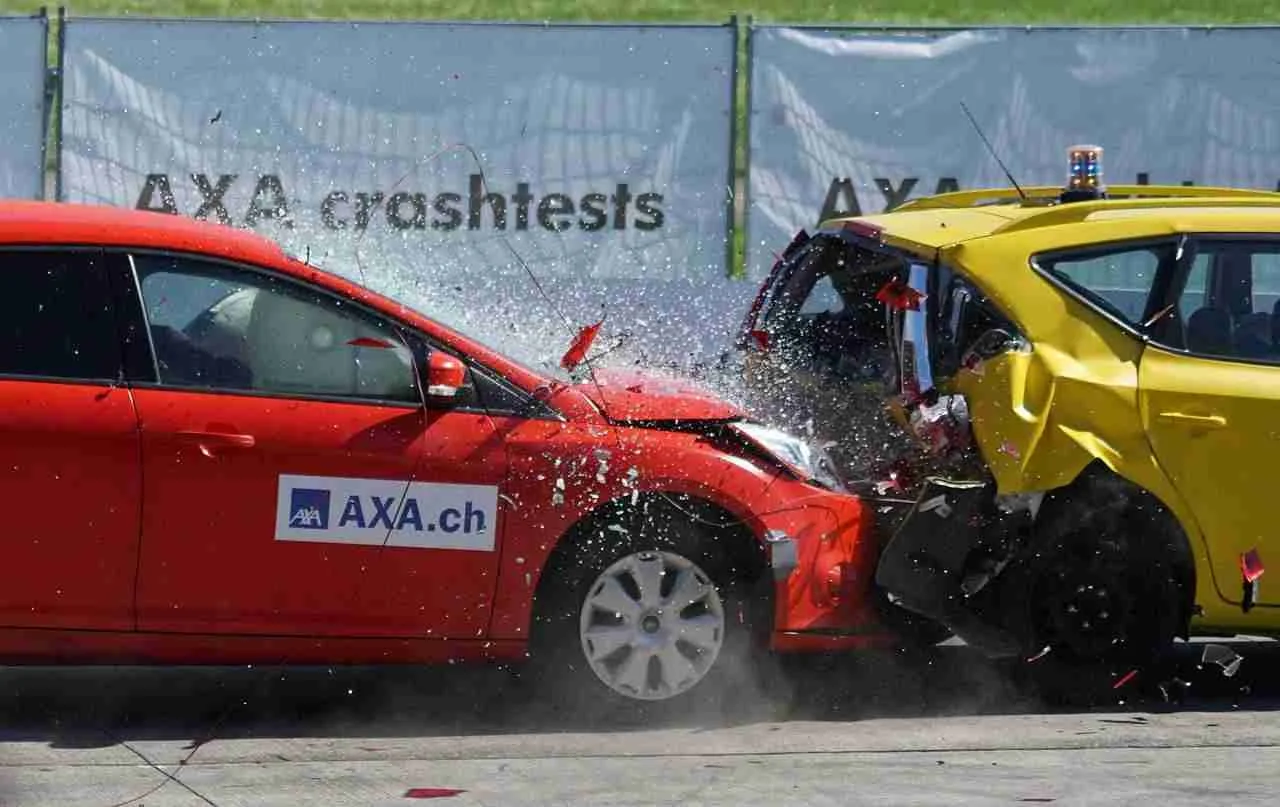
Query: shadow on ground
(100, 706)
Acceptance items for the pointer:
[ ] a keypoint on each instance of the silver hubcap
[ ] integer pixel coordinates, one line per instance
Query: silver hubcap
(652, 625)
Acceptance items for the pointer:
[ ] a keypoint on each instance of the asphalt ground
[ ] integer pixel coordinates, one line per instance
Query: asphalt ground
(945, 728)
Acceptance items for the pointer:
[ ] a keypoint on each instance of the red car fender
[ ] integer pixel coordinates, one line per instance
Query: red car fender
(829, 590)
(561, 473)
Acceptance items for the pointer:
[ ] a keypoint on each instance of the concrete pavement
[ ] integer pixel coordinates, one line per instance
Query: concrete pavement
(951, 732)
(1187, 758)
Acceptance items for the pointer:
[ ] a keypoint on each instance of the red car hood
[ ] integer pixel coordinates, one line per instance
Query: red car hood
(627, 396)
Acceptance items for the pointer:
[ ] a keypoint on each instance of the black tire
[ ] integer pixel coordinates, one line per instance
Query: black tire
(558, 669)
(1102, 593)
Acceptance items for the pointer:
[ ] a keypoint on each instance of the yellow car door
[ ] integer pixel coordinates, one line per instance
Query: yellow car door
(1210, 399)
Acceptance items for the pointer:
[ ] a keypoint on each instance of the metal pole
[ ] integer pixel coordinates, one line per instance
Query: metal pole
(731, 196)
(56, 126)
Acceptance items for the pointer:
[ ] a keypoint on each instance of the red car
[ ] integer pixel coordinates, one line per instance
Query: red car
(212, 452)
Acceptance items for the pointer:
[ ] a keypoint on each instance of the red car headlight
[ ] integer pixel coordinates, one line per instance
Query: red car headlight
(807, 462)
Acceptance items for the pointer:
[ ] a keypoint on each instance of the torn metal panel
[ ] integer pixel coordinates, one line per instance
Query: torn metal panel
(944, 552)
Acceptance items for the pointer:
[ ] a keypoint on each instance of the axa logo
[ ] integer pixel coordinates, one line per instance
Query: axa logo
(309, 509)
(378, 512)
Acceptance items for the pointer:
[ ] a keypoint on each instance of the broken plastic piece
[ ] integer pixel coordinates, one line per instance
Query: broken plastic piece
(1226, 658)
(1249, 596)
(431, 792)
(581, 344)
(370, 341)
(1040, 655)
(1124, 679)
(973, 363)
(899, 479)
(1251, 565)
(943, 425)
(938, 505)
(1010, 449)
(1251, 569)
(899, 296)
(1174, 690)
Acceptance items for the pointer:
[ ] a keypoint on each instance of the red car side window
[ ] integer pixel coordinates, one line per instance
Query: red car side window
(55, 317)
(215, 326)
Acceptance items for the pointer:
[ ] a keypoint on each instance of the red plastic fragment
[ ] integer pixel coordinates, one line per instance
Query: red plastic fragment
(899, 296)
(1124, 679)
(369, 341)
(1251, 565)
(581, 344)
(761, 338)
(431, 792)
(899, 477)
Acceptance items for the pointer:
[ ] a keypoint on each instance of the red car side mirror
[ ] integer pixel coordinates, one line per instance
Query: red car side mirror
(445, 375)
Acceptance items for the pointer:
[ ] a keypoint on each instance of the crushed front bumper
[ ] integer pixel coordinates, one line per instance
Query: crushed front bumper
(822, 557)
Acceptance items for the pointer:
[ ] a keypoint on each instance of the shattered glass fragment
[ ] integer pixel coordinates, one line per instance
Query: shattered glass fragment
(1226, 658)
(1044, 652)
(1174, 690)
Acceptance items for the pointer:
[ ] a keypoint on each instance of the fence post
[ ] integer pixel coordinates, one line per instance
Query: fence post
(731, 195)
(46, 112)
(53, 103)
(745, 140)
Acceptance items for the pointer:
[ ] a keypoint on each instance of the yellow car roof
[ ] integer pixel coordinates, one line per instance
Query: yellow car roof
(935, 222)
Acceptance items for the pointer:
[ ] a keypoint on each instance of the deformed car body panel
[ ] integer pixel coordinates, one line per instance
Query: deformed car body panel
(1064, 397)
(1041, 415)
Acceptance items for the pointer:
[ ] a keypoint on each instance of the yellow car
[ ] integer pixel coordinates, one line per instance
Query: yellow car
(1076, 462)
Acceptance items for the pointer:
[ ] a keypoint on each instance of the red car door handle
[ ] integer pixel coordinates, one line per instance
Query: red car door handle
(210, 441)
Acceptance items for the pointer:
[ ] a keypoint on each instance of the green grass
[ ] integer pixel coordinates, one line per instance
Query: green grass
(812, 11)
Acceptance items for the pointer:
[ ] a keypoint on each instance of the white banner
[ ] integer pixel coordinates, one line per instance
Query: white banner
(23, 48)
(601, 159)
(860, 121)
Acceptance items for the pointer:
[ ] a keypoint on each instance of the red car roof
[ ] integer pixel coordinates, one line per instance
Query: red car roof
(45, 223)
(65, 223)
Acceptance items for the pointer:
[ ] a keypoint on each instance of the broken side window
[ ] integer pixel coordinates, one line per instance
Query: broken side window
(825, 317)
(965, 319)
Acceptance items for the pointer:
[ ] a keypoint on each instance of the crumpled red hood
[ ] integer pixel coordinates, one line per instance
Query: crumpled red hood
(631, 396)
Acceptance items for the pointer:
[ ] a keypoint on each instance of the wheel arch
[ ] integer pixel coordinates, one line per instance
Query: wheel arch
(1159, 520)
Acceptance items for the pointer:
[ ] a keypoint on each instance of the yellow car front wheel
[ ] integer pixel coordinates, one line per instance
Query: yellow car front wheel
(1100, 593)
